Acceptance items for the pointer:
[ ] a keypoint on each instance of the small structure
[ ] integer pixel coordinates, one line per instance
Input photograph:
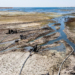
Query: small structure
(16, 41)
(22, 37)
(10, 31)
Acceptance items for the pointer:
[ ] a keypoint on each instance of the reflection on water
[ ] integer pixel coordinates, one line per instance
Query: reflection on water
(16, 47)
(63, 36)
(28, 48)
(9, 42)
(9, 49)
(60, 48)
(60, 10)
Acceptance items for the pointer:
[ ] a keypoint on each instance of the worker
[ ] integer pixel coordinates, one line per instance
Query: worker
(9, 32)
(35, 48)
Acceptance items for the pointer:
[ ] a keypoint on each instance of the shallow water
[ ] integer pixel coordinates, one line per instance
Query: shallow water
(60, 48)
(60, 10)
(9, 49)
(9, 42)
(63, 36)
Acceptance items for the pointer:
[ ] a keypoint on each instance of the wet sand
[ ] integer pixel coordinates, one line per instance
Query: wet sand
(70, 29)
(49, 57)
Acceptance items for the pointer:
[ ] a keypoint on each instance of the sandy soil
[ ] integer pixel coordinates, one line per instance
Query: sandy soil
(70, 35)
(38, 64)
(41, 62)
(70, 70)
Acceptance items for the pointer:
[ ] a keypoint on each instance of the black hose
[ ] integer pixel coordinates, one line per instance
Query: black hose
(4, 38)
(24, 63)
(64, 61)
(7, 47)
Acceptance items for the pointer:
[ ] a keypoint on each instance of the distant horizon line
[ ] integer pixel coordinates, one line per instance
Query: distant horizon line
(37, 7)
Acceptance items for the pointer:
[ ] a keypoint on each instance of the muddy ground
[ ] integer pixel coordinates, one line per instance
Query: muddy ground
(35, 29)
(70, 29)
(43, 62)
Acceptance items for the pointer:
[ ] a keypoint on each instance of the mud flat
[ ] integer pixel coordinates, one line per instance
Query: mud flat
(56, 24)
(33, 37)
(43, 62)
(70, 29)
(70, 35)
(34, 27)
(57, 27)
(15, 17)
(22, 21)
(28, 24)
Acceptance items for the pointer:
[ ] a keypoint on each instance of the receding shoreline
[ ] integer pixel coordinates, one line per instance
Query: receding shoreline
(34, 26)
